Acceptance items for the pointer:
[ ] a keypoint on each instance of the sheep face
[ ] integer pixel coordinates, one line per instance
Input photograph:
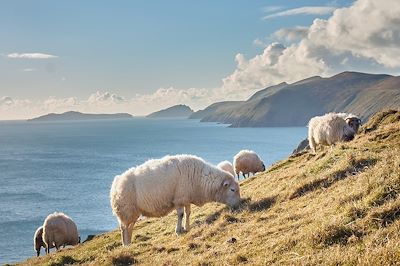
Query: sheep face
(38, 241)
(348, 134)
(354, 123)
(38, 245)
(229, 193)
(262, 168)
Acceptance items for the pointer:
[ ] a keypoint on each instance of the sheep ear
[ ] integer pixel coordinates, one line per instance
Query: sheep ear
(225, 183)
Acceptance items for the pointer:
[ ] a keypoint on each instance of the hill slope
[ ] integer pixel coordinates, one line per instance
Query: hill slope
(341, 206)
(294, 104)
(72, 115)
(179, 110)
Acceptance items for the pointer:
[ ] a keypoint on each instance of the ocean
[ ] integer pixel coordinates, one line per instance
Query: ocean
(69, 166)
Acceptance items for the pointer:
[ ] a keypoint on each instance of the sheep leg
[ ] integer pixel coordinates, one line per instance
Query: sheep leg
(38, 252)
(312, 144)
(179, 229)
(187, 221)
(47, 248)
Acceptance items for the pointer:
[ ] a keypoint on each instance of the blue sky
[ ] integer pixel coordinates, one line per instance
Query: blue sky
(132, 49)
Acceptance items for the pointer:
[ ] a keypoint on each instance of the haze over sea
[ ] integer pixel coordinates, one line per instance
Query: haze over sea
(69, 166)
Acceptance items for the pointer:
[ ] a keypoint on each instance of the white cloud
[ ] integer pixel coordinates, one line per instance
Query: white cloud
(6, 101)
(363, 37)
(56, 104)
(105, 98)
(30, 56)
(291, 34)
(368, 29)
(268, 9)
(305, 10)
(29, 70)
(259, 42)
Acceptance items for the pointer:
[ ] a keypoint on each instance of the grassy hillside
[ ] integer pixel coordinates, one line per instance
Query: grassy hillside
(294, 104)
(341, 206)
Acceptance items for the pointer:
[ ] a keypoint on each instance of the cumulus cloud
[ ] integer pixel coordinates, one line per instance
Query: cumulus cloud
(30, 56)
(105, 98)
(6, 101)
(57, 104)
(305, 10)
(362, 37)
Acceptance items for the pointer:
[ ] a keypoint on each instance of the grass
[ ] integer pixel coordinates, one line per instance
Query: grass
(338, 207)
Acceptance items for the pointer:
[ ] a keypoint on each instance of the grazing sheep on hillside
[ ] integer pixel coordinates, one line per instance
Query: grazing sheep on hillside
(327, 130)
(352, 120)
(38, 241)
(226, 166)
(247, 162)
(159, 186)
(59, 230)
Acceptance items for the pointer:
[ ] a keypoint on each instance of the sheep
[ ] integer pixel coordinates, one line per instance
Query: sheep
(352, 120)
(38, 241)
(327, 130)
(247, 162)
(59, 230)
(158, 186)
(226, 166)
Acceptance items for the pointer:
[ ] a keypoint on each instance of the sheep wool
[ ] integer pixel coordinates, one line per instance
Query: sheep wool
(247, 162)
(327, 130)
(159, 186)
(226, 166)
(59, 230)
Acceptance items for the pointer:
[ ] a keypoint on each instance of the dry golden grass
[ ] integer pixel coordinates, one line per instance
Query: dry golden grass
(337, 207)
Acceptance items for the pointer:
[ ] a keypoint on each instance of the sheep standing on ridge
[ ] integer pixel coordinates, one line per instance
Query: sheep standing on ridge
(59, 230)
(327, 130)
(156, 187)
(226, 166)
(247, 162)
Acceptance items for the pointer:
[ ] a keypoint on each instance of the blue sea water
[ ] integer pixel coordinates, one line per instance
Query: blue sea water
(69, 166)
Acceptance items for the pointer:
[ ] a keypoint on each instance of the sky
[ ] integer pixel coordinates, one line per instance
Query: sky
(142, 56)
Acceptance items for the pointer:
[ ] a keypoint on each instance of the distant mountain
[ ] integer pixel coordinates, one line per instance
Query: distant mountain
(179, 110)
(72, 115)
(294, 104)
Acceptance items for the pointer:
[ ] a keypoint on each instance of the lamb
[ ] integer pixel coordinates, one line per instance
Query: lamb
(158, 186)
(327, 130)
(59, 230)
(247, 162)
(226, 166)
(38, 241)
(352, 120)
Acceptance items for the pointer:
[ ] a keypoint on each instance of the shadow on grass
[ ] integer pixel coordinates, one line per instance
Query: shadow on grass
(124, 260)
(355, 168)
(245, 205)
(63, 260)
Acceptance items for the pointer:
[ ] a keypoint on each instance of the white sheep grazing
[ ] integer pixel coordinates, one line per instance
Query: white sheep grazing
(247, 162)
(59, 230)
(38, 241)
(226, 166)
(327, 130)
(159, 186)
(352, 120)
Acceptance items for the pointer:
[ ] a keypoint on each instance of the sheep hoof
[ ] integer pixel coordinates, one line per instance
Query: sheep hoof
(180, 231)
